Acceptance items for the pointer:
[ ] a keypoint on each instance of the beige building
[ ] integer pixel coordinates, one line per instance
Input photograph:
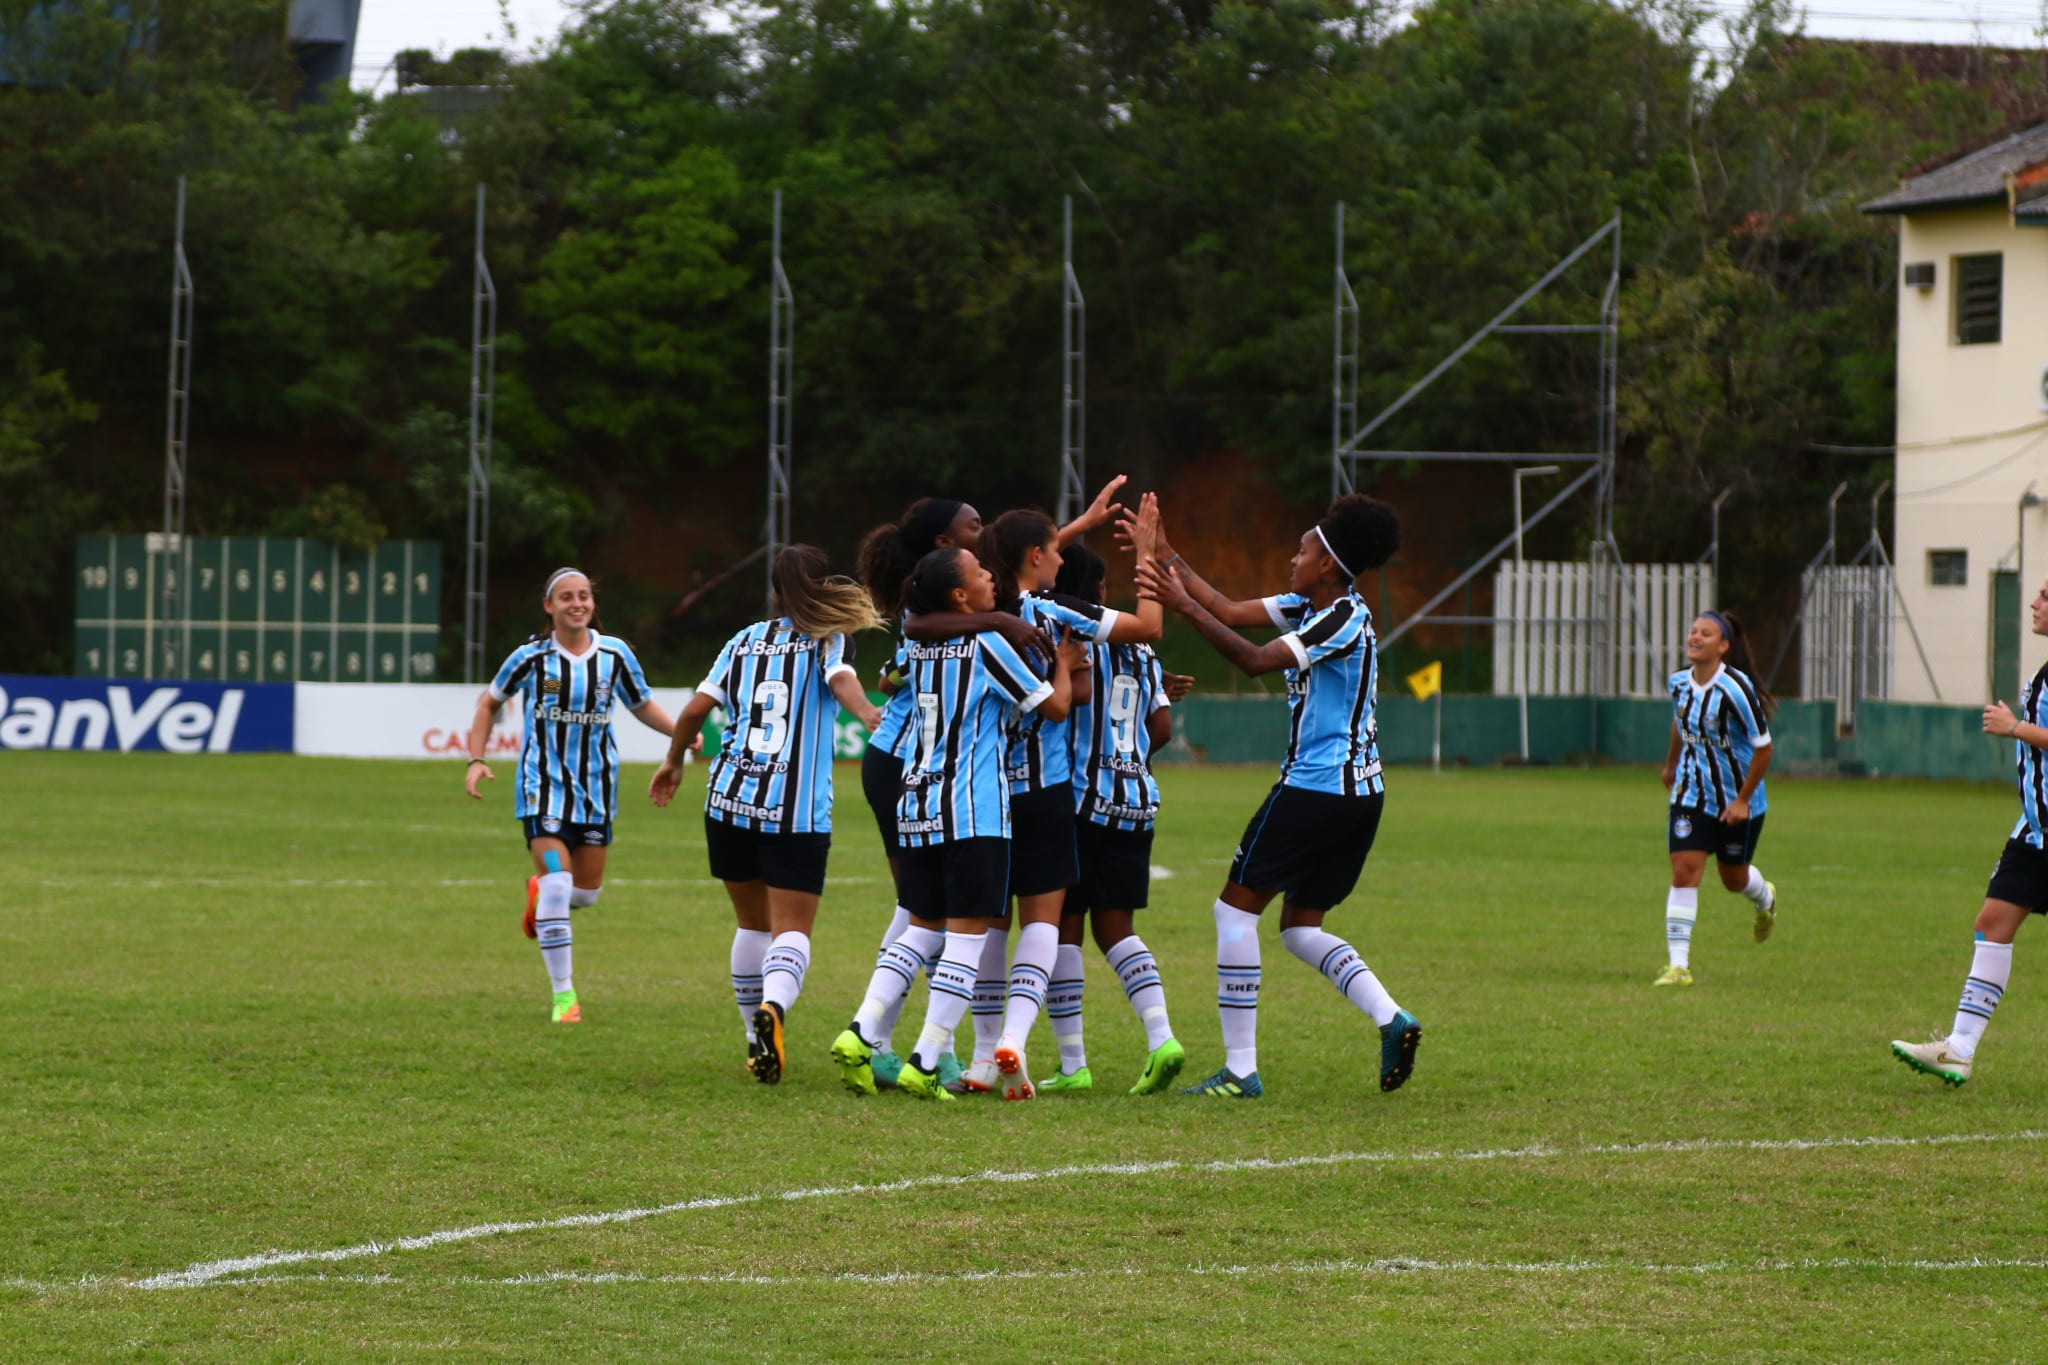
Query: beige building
(1970, 543)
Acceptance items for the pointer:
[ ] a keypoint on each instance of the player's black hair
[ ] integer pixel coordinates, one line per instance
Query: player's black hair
(548, 622)
(1361, 532)
(1004, 543)
(930, 586)
(1081, 573)
(1739, 657)
(890, 551)
(818, 602)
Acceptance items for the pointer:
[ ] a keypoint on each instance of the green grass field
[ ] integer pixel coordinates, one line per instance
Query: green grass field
(267, 1007)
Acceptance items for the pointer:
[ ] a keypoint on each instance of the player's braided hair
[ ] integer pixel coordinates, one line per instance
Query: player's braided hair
(818, 602)
(1360, 532)
(890, 551)
(1004, 543)
(1739, 657)
(931, 583)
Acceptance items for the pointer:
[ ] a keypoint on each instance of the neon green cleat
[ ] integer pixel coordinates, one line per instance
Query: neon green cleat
(1674, 976)
(1066, 1081)
(1766, 914)
(853, 1056)
(923, 1084)
(567, 1011)
(1161, 1067)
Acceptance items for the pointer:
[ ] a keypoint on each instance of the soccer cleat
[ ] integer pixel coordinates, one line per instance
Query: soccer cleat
(768, 1063)
(1016, 1078)
(1674, 976)
(1399, 1037)
(753, 1054)
(1766, 914)
(853, 1056)
(923, 1084)
(567, 1011)
(980, 1079)
(532, 904)
(1226, 1085)
(1161, 1067)
(885, 1065)
(950, 1071)
(1933, 1058)
(1066, 1082)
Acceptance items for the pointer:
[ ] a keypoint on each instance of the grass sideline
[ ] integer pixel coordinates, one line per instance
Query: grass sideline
(279, 1004)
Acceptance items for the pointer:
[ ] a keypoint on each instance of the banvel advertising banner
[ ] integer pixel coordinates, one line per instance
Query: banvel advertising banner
(137, 715)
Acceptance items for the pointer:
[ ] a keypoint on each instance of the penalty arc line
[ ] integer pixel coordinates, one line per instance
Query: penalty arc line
(207, 1272)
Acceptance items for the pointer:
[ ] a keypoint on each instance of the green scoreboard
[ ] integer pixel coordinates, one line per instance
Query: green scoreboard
(257, 609)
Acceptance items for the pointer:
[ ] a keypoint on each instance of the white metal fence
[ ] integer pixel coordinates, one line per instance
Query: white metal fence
(1572, 628)
(1845, 636)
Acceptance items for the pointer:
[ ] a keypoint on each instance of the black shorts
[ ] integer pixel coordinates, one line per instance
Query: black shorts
(787, 862)
(2021, 877)
(1311, 845)
(1042, 857)
(1692, 830)
(963, 879)
(575, 836)
(1116, 868)
(881, 782)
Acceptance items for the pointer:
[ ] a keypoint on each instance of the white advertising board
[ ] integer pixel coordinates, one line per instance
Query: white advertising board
(431, 720)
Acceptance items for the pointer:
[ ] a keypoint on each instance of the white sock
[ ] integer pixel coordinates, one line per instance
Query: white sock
(1038, 948)
(991, 990)
(749, 946)
(583, 897)
(1990, 969)
(782, 970)
(1237, 987)
(1138, 970)
(1346, 970)
(886, 1026)
(895, 969)
(952, 991)
(1681, 908)
(551, 927)
(1063, 1007)
(1758, 892)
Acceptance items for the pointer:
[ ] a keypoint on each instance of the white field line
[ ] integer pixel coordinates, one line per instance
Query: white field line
(206, 1272)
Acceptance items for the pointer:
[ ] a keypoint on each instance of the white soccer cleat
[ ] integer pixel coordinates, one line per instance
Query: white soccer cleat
(1934, 1058)
(1766, 914)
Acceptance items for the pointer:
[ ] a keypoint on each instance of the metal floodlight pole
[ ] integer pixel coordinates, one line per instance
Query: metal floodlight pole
(781, 377)
(1712, 554)
(167, 658)
(483, 381)
(1073, 376)
(1343, 369)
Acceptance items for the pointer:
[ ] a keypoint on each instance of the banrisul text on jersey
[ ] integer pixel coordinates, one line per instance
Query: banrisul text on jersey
(1720, 727)
(1333, 731)
(569, 764)
(773, 772)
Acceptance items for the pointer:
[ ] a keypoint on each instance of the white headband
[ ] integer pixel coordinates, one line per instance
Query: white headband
(1333, 554)
(560, 574)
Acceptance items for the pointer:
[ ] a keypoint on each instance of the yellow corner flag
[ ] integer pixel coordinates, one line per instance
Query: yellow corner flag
(1427, 682)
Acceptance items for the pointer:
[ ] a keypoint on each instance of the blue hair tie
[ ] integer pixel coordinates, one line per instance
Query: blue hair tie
(1718, 619)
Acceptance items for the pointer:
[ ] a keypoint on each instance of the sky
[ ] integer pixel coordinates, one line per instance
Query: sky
(388, 26)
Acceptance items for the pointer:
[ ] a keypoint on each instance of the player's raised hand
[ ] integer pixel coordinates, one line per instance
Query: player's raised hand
(1999, 720)
(1164, 587)
(1178, 685)
(1144, 534)
(1127, 531)
(662, 789)
(479, 771)
(1105, 508)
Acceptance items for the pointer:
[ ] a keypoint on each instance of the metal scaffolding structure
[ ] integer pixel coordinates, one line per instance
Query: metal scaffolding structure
(167, 658)
(1348, 447)
(483, 358)
(1073, 380)
(781, 378)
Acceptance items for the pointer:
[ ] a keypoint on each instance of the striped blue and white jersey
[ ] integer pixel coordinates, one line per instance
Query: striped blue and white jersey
(1721, 725)
(569, 764)
(2033, 766)
(1333, 731)
(773, 772)
(1113, 782)
(1041, 755)
(894, 732)
(966, 697)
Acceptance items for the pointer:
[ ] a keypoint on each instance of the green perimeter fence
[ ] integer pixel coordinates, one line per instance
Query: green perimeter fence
(1893, 739)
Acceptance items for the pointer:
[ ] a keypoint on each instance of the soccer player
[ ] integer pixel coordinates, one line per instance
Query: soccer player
(953, 819)
(1113, 735)
(1720, 750)
(568, 761)
(2019, 885)
(1310, 838)
(768, 798)
(1021, 551)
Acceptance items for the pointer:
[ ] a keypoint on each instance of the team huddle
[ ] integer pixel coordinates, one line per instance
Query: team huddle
(1010, 775)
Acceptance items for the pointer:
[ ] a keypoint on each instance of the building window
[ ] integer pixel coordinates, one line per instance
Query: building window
(1980, 285)
(1948, 568)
